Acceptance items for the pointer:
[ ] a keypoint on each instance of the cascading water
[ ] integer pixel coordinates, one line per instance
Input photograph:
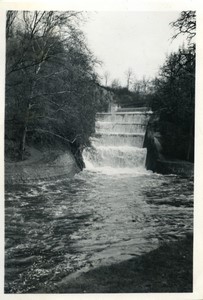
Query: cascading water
(57, 230)
(118, 142)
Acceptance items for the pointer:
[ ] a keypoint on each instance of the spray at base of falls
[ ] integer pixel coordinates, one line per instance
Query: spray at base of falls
(117, 146)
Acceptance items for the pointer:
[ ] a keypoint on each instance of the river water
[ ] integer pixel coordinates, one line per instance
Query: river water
(110, 212)
(57, 228)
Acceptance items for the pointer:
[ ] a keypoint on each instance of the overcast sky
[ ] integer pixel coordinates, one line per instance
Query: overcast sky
(136, 40)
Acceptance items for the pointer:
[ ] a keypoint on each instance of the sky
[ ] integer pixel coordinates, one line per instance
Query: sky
(136, 40)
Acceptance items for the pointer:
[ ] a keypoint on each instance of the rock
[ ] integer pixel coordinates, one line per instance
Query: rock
(166, 149)
(178, 167)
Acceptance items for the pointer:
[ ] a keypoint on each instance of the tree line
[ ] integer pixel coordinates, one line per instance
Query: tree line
(174, 92)
(51, 85)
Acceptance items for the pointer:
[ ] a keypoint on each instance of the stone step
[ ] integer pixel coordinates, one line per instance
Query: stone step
(144, 108)
(126, 113)
(120, 123)
(118, 134)
(135, 140)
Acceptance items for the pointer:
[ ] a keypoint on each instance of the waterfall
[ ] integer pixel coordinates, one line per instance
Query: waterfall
(117, 144)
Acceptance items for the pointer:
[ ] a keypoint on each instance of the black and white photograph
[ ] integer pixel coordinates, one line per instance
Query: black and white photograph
(99, 135)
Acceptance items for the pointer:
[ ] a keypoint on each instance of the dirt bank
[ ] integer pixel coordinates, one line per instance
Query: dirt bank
(41, 165)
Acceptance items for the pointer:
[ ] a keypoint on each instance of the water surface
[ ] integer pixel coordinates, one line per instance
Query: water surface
(59, 228)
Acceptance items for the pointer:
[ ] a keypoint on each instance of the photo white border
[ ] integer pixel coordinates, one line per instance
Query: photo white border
(119, 5)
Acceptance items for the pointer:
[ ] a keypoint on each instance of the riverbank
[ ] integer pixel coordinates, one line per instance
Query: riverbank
(167, 269)
(41, 165)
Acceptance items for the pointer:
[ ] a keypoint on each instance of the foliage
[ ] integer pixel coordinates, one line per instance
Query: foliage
(50, 80)
(174, 88)
(139, 96)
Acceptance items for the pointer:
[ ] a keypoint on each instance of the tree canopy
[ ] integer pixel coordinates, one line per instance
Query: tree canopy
(174, 88)
(50, 79)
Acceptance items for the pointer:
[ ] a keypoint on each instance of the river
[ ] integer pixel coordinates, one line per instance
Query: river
(58, 228)
(110, 212)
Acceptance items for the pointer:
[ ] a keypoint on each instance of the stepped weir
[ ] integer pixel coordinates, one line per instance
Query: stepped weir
(118, 140)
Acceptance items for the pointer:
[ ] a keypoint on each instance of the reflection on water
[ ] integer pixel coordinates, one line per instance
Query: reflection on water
(57, 228)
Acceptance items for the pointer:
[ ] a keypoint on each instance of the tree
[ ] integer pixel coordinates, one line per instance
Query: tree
(174, 92)
(10, 18)
(186, 25)
(106, 77)
(141, 88)
(50, 78)
(115, 84)
(129, 74)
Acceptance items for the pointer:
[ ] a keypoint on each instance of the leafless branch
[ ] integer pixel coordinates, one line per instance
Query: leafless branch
(57, 135)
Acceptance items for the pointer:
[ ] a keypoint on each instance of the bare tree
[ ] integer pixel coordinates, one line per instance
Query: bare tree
(39, 27)
(141, 88)
(10, 17)
(115, 84)
(185, 24)
(33, 55)
(106, 77)
(129, 75)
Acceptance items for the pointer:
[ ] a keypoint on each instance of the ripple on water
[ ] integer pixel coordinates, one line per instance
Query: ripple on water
(58, 228)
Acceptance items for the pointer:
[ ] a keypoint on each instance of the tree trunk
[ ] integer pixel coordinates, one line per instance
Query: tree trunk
(22, 143)
(190, 142)
(24, 133)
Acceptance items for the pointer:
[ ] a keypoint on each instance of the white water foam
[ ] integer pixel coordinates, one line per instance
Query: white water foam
(107, 170)
(118, 152)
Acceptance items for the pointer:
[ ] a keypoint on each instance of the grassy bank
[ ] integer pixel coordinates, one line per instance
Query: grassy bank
(167, 269)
